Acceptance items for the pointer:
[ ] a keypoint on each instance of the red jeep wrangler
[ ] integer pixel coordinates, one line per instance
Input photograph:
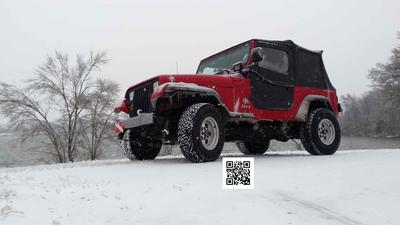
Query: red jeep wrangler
(250, 93)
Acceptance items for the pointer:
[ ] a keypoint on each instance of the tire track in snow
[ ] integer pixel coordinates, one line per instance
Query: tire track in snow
(6, 208)
(321, 210)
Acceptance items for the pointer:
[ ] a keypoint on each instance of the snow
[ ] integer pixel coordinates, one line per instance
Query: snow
(351, 187)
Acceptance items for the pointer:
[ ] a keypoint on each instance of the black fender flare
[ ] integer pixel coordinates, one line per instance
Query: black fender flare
(304, 107)
(181, 89)
(175, 89)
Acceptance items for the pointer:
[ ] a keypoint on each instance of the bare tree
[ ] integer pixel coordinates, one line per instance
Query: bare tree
(385, 78)
(96, 128)
(376, 112)
(52, 102)
(363, 115)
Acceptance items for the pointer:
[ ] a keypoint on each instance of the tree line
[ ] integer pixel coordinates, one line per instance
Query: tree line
(377, 112)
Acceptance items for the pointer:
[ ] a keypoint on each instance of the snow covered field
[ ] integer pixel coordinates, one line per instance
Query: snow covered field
(350, 187)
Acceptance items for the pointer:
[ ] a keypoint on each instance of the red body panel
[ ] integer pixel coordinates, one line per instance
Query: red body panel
(235, 93)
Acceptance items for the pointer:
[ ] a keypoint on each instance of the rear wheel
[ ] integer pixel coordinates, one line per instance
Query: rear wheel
(141, 149)
(320, 135)
(253, 147)
(200, 133)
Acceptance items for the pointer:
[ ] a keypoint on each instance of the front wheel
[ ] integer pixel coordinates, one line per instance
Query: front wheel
(200, 133)
(320, 135)
(140, 149)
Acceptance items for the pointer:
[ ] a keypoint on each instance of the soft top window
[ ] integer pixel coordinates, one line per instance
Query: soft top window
(275, 60)
(309, 69)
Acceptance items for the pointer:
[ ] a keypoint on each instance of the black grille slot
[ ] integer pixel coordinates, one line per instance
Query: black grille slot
(141, 98)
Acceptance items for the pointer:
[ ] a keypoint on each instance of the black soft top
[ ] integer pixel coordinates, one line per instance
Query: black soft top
(309, 68)
(290, 43)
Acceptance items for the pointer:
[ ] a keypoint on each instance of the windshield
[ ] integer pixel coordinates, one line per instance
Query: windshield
(225, 60)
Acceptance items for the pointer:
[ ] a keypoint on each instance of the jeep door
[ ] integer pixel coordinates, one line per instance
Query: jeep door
(272, 80)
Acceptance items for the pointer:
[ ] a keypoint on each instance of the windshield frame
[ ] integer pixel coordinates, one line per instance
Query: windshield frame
(224, 51)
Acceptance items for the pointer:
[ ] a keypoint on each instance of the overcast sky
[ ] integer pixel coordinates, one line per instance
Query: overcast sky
(146, 38)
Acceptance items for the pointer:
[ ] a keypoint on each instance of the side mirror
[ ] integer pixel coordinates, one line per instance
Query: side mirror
(255, 55)
(237, 67)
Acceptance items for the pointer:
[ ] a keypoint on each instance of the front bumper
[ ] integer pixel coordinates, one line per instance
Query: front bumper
(131, 122)
(138, 121)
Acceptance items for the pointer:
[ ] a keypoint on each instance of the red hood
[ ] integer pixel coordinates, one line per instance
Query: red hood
(200, 79)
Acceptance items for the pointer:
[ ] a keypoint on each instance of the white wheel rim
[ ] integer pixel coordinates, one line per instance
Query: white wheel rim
(326, 131)
(209, 133)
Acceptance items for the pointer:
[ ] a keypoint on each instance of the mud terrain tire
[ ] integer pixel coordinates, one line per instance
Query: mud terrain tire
(250, 147)
(320, 135)
(200, 133)
(139, 149)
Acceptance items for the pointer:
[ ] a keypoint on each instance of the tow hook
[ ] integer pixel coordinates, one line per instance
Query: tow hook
(165, 132)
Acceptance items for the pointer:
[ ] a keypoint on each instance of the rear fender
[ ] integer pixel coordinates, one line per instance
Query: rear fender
(309, 102)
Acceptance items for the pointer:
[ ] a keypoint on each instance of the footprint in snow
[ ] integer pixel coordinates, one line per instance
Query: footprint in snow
(179, 188)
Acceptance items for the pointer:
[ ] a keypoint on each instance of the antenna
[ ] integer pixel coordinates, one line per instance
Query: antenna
(177, 67)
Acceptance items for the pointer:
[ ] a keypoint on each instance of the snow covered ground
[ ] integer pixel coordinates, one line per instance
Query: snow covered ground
(14, 153)
(350, 187)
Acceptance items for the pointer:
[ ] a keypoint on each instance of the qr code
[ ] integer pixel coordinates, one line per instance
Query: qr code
(238, 173)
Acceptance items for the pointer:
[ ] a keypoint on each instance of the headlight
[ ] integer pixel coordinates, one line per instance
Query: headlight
(155, 85)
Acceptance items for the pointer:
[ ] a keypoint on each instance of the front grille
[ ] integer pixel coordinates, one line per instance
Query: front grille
(141, 98)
